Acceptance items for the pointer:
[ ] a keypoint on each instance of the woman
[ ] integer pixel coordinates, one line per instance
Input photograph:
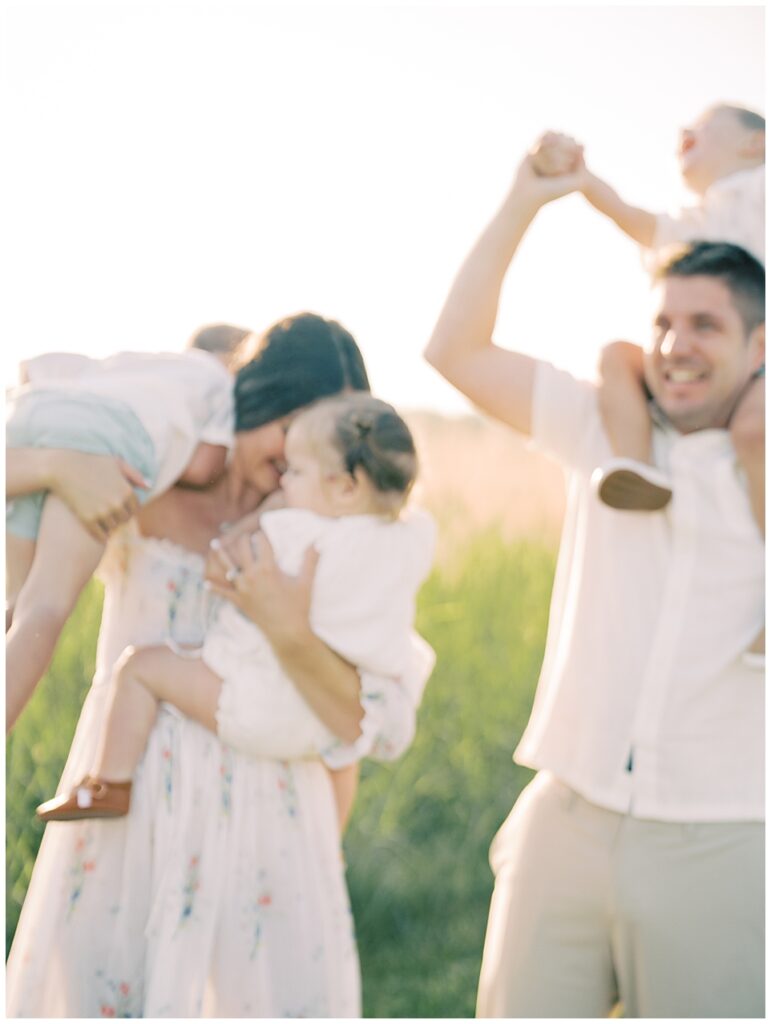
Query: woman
(230, 897)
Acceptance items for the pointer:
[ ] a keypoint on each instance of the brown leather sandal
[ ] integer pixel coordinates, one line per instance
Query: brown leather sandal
(91, 798)
(632, 486)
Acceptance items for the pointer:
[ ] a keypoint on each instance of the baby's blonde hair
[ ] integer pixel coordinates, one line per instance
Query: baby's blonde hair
(364, 434)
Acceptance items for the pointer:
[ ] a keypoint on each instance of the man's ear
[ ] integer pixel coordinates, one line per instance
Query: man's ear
(757, 342)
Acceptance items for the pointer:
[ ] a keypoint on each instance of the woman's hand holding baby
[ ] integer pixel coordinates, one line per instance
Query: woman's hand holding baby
(245, 572)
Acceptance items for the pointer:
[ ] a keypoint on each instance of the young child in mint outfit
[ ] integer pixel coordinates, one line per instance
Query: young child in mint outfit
(351, 463)
(722, 160)
(168, 416)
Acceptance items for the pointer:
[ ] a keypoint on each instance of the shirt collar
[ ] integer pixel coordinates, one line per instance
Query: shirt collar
(708, 439)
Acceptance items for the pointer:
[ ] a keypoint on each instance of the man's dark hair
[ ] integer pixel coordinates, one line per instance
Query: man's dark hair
(742, 274)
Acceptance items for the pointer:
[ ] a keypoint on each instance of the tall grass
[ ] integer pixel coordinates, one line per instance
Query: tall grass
(37, 748)
(417, 845)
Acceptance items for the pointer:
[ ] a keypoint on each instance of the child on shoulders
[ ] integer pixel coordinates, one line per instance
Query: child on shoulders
(722, 160)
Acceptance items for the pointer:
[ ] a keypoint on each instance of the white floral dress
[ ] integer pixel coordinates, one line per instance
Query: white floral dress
(222, 893)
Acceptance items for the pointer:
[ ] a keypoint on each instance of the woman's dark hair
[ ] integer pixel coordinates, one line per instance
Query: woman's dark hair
(299, 360)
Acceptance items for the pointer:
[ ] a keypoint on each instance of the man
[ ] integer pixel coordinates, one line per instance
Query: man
(632, 866)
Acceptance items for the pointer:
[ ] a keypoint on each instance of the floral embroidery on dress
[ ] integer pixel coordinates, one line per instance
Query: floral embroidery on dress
(237, 828)
(189, 601)
(167, 757)
(176, 589)
(118, 1002)
(287, 788)
(260, 906)
(189, 889)
(226, 779)
(82, 866)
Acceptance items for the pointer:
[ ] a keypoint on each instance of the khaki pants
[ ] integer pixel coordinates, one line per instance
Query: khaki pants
(591, 907)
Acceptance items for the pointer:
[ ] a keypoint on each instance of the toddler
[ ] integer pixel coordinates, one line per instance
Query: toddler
(722, 160)
(351, 463)
(168, 416)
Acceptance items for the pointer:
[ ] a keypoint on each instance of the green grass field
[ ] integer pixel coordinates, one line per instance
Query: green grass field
(417, 845)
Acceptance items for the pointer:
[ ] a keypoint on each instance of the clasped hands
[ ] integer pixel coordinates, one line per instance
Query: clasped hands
(553, 167)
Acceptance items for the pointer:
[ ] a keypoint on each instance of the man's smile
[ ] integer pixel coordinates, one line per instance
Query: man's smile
(684, 375)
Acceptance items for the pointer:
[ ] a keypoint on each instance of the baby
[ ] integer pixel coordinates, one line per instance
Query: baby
(168, 416)
(351, 463)
(722, 160)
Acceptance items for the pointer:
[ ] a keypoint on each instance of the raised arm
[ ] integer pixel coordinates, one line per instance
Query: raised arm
(461, 348)
(639, 224)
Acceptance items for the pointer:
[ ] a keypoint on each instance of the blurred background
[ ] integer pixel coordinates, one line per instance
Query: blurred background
(178, 163)
(183, 161)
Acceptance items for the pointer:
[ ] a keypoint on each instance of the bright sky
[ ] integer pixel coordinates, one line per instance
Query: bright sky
(175, 163)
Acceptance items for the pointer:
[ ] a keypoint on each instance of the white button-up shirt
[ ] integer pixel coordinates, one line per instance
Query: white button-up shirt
(732, 210)
(645, 704)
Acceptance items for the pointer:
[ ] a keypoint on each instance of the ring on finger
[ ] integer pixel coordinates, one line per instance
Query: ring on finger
(232, 574)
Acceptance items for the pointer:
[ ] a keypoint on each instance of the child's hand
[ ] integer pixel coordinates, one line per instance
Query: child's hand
(556, 154)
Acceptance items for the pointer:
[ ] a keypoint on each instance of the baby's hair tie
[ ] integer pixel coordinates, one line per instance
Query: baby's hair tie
(363, 427)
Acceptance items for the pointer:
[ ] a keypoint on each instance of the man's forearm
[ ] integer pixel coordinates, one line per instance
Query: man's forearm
(468, 317)
(499, 381)
(639, 224)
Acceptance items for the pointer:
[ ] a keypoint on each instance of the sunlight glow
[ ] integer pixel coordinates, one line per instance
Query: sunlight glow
(172, 164)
